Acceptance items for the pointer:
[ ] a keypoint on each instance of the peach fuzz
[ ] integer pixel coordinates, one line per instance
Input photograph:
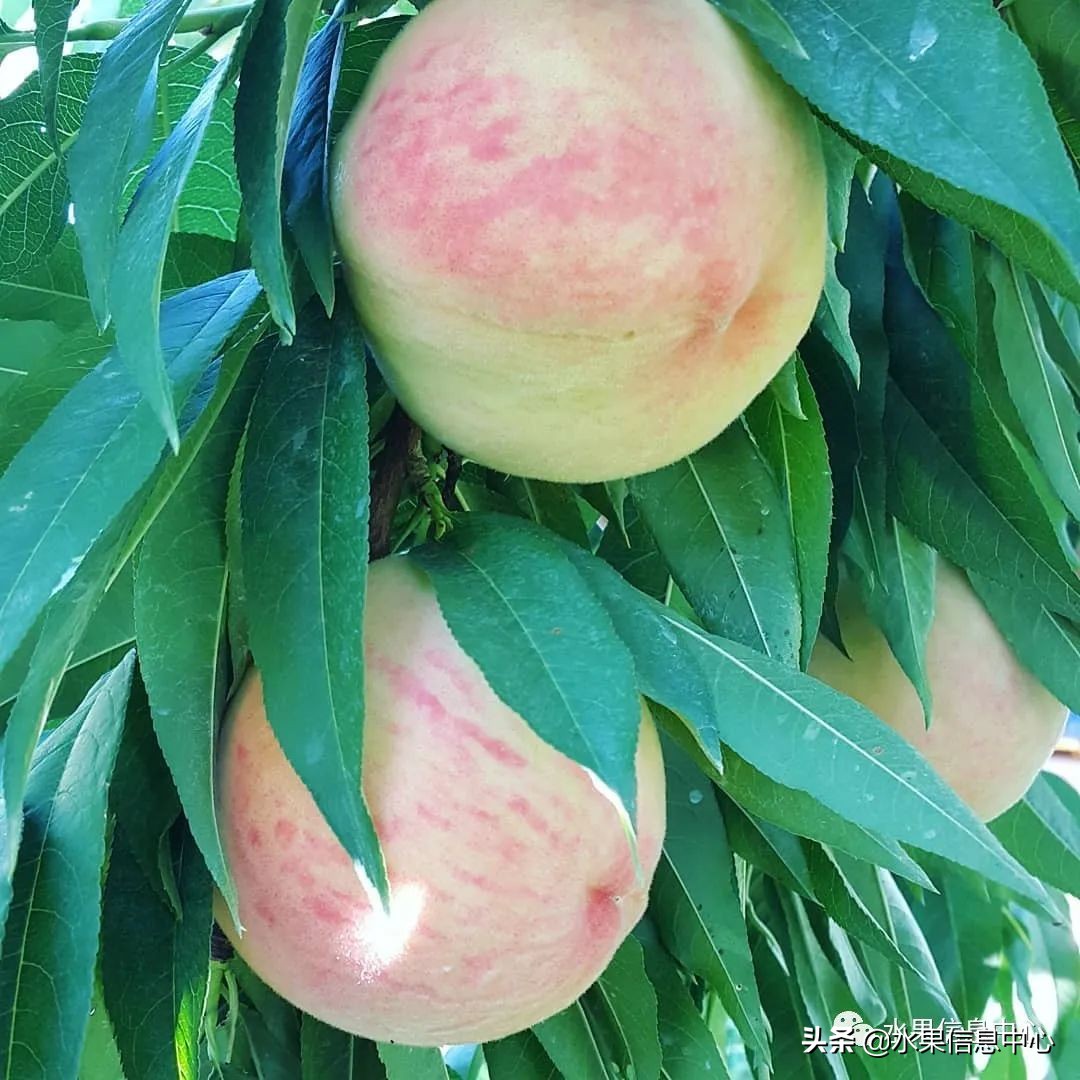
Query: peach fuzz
(993, 725)
(581, 236)
(512, 880)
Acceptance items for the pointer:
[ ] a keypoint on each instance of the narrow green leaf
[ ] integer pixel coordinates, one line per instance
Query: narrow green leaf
(114, 134)
(329, 1054)
(519, 1057)
(840, 898)
(552, 505)
(50, 31)
(799, 456)
(847, 758)
(364, 44)
(695, 901)
(519, 608)
(94, 452)
(412, 1062)
(689, 1049)
(136, 272)
(304, 500)
(761, 17)
(801, 814)
(1038, 389)
(155, 964)
(720, 523)
(1043, 832)
(891, 80)
(833, 315)
(264, 103)
(570, 1043)
(899, 598)
(142, 799)
(100, 1056)
(630, 1004)
(51, 939)
(65, 623)
(306, 168)
(1046, 643)
(938, 252)
(180, 605)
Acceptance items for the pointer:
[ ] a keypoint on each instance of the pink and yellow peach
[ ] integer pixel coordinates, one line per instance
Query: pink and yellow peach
(993, 724)
(512, 879)
(581, 236)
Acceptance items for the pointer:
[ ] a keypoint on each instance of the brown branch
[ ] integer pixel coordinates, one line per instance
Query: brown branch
(401, 436)
(453, 474)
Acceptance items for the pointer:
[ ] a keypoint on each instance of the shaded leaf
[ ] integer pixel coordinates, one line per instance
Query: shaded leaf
(305, 506)
(719, 521)
(506, 589)
(51, 938)
(264, 104)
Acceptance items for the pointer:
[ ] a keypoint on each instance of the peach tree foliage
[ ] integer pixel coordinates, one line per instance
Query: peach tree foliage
(172, 402)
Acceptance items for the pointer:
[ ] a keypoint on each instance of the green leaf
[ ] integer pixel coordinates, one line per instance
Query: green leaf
(833, 315)
(1051, 30)
(306, 169)
(33, 184)
(761, 17)
(840, 898)
(955, 477)
(519, 1057)
(264, 102)
(1046, 643)
(938, 253)
(364, 44)
(155, 964)
(799, 457)
(519, 608)
(899, 598)
(304, 508)
(136, 272)
(142, 799)
(695, 901)
(720, 523)
(568, 1040)
(209, 203)
(412, 1062)
(845, 753)
(1043, 832)
(180, 606)
(93, 453)
(114, 135)
(689, 1049)
(51, 940)
(25, 406)
(552, 505)
(1038, 389)
(793, 810)
(329, 1054)
(100, 1056)
(50, 31)
(841, 158)
(630, 1004)
(891, 80)
(65, 623)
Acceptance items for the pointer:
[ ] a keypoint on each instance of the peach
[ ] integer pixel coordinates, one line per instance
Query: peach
(581, 236)
(511, 876)
(992, 726)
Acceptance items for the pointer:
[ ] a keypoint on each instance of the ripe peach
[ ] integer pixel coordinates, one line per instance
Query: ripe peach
(581, 236)
(993, 725)
(512, 880)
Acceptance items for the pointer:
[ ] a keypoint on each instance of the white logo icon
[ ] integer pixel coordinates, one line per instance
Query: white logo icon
(849, 1027)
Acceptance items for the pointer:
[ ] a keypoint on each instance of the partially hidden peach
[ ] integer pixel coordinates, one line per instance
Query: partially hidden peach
(512, 879)
(581, 236)
(993, 724)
